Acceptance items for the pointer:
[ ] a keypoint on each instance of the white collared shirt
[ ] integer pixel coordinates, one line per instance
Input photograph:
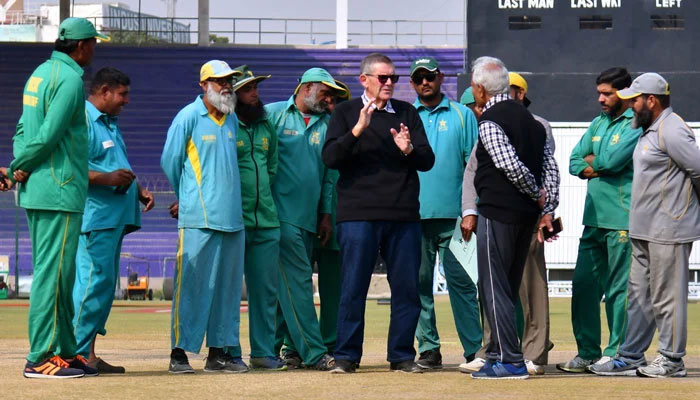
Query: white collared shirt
(387, 107)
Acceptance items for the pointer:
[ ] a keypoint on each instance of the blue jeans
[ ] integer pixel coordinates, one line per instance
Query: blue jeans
(399, 243)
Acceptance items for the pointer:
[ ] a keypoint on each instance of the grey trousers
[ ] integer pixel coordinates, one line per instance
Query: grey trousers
(657, 298)
(501, 252)
(534, 298)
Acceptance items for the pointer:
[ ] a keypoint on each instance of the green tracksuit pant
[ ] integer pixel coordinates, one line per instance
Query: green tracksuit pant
(329, 292)
(262, 248)
(296, 315)
(437, 234)
(602, 268)
(54, 237)
(97, 271)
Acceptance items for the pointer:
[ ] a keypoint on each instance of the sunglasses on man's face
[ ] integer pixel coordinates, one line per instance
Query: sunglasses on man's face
(222, 81)
(418, 78)
(384, 78)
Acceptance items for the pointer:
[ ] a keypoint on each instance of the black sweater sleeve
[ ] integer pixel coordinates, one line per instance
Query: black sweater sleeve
(338, 148)
(422, 157)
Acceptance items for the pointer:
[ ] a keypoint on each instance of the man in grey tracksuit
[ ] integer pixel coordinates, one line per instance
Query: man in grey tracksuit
(664, 222)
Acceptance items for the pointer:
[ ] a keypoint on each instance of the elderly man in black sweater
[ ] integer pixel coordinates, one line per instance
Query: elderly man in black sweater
(378, 143)
(517, 180)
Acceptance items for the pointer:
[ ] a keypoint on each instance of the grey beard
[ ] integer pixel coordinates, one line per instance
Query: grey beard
(316, 107)
(226, 103)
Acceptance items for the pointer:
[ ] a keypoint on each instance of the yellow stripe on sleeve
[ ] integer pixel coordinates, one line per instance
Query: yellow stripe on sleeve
(193, 156)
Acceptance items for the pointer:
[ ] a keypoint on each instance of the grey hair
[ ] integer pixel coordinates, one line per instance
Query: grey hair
(492, 74)
(371, 59)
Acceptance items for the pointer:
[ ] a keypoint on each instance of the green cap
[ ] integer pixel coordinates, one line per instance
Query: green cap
(246, 77)
(426, 63)
(79, 29)
(467, 97)
(346, 95)
(318, 75)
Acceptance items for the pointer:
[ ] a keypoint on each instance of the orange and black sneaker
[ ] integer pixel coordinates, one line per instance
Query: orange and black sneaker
(79, 362)
(53, 368)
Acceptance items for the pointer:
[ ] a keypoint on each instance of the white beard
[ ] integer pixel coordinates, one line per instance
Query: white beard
(226, 102)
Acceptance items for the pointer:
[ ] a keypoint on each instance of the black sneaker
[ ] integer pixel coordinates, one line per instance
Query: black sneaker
(292, 359)
(431, 359)
(53, 368)
(179, 364)
(344, 367)
(326, 363)
(407, 366)
(79, 362)
(224, 362)
(268, 363)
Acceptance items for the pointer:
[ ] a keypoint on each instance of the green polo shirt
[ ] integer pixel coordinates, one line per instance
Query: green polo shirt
(612, 141)
(303, 186)
(452, 131)
(51, 140)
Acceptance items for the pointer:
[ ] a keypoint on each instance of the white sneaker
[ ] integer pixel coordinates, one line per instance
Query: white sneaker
(472, 366)
(534, 369)
(663, 367)
(600, 362)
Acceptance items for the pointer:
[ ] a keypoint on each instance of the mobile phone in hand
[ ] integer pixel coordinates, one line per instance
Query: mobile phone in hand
(557, 228)
(122, 189)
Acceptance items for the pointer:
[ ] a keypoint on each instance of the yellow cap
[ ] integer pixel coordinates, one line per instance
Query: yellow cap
(517, 80)
(216, 69)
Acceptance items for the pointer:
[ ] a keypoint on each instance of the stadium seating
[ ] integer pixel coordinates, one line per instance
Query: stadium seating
(164, 79)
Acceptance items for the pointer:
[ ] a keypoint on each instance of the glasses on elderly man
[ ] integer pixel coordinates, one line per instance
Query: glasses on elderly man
(418, 78)
(228, 80)
(383, 78)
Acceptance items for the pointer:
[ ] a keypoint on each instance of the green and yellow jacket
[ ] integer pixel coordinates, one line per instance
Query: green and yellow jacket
(257, 163)
(612, 141)
(51, 141)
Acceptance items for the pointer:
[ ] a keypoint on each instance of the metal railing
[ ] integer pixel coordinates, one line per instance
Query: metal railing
(286, 31)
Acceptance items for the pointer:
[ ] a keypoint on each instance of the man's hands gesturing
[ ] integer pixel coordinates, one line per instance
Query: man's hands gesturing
(403, 139)
(365, 118)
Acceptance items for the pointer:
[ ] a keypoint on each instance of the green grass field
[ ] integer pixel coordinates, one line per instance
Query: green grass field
(139, 339)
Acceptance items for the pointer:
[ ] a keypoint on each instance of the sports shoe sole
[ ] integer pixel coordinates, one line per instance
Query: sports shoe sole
(283, 368)
(629, 372)
(466, 370)
(581, 370)
(185, 371)
(226, 371)
(678, 374)
(32, 375)
(513, 377)
(340, 371)
(429, 366)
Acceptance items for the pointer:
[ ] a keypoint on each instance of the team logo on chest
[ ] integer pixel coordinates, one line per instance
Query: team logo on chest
(615, 139)
(265, 144)
(315, 138)
(442, 125)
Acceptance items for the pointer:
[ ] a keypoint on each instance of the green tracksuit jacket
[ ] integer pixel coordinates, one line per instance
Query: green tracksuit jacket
(257, 163)
(51, 140)
(608, 196)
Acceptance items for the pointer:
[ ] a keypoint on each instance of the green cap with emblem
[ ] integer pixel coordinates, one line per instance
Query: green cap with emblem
(318, 75)
(79, 29)
(427, 63)
(246, 77)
